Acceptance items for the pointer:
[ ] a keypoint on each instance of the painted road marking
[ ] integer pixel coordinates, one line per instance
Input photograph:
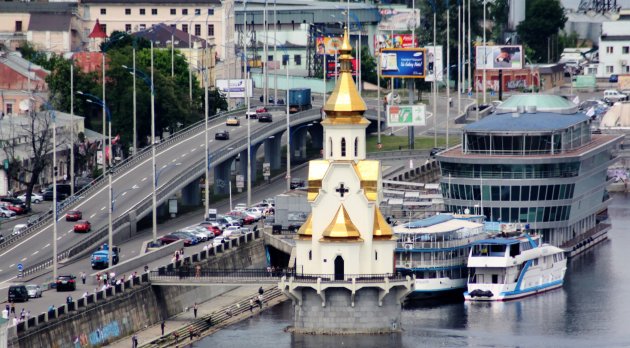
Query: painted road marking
(93, 215)
(103, 208)
(124, 193)
(143, 179)
(58, 238)
(24, 259)
(12, 265)
(46, 246)
(36, 251)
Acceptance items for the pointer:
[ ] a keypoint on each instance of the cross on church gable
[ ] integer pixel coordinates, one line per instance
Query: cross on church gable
(341, 189)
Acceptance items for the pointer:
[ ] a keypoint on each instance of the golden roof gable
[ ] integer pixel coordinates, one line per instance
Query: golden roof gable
(381, 229)
(341, 226)
(306, 230)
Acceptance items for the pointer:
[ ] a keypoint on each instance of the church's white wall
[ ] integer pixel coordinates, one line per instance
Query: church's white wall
(334, 134)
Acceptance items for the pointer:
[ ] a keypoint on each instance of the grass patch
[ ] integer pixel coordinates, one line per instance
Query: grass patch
(394, 143)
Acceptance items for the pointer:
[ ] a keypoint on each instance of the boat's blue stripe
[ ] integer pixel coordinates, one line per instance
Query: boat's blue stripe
(431, 268)
(531, 241)
(533, 288)
(522, 275)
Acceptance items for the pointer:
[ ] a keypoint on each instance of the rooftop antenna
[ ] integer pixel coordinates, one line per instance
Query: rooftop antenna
(348, 20)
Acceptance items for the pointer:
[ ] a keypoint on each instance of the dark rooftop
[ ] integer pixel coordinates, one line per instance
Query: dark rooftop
(49, 22)
(534, 122)
(163, 33)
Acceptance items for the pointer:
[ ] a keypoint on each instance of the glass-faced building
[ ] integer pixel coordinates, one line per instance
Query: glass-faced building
(544, 169)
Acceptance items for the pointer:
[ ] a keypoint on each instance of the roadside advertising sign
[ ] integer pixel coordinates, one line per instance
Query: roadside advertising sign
(237, 87)
(406, 115)
(330, 66)
(398, 18)
(328, 45)
(393, 41)
(240, 181)
(499, 57)
(435, 65)
(403, 62)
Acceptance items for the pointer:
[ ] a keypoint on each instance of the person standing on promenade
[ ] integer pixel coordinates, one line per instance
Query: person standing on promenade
(195, 308)
(134, 341)
(83, 277)
(162, 326)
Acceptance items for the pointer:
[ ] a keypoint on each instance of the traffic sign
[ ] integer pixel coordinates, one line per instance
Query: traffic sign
(20, 267)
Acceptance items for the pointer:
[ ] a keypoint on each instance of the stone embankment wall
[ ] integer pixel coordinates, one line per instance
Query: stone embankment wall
(120, 316)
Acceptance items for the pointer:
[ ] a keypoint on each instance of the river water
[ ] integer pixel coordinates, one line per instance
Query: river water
(591, 310)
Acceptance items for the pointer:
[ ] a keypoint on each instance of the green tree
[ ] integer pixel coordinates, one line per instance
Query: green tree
(499, 12)
(543, 19)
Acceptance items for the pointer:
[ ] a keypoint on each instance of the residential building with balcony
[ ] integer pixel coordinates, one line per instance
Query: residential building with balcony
(533, 167)
(19, 77)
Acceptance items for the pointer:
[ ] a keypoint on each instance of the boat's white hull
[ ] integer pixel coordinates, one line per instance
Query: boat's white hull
(512, 295)
(437, 287)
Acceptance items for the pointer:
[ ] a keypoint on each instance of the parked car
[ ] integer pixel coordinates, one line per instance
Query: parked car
(614, 78)
(82, 226)
(34, 290)
(17, 229)
(265, 117)
(13, 201)
(15, 208)
(6, 213)
(194, 240)
(74, 215)
(222, 135)
(613, 95)
(231, 230)
(35, 198)
(18, 293)
(63, 192)
(255, 212)
(240, 207)
(66, 282)
(434, 151)
(170, 238)
(212, 227)
(1, 239)
(218, 241)
(251, 114)
(232, 121)
(201, 235)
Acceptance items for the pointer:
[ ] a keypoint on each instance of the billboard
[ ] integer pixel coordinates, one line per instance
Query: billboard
(330, 66)
(402, 62)
(236, 87)
(328, 45)
(393, 41)
(406, 115)
(499, 57)
(435, 64)
(399, 19)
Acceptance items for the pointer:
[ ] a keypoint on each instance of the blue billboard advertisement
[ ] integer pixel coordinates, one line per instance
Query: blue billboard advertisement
(402, 62)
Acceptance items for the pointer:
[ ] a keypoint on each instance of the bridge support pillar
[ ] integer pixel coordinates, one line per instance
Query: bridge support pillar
(191, 193)
(298, 144)
(133, 223)
(317, 135)
(222, 177)
(272, 151)
(243, 169)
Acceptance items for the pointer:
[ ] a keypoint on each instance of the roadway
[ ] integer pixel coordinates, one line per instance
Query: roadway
(133, 247)
(129, 187)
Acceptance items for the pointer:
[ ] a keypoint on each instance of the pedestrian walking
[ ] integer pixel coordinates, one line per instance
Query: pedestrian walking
(83, 276)
(134, 341)
(98, 279)
(260, 301)
(12, 308)
(251, 305)
(197, 271)
(191, 333)
(195, 308)
(162, 326)
(261, 291)
(176, 255)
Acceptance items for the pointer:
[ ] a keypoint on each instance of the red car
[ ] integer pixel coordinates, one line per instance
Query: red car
(261, 109)
(212, 226)
(170, 238)
(82, 226)
(15, 208)
(74, 215)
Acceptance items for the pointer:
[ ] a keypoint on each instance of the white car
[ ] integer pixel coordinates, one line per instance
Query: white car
(6, 213)
(17, 229)
(256, 212)
(218, 240)
(35, 198)
(613, 95)
(240, 207)
(231, 230)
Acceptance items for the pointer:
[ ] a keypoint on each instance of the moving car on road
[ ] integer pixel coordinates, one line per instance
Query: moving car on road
(74, 215)
(18, 293)
(66, 282)
(265, 117)
(232, 121)
(100, 258)
(19, 228)
(251, 114)
(82, 226)
(34, 290)
(222, 135)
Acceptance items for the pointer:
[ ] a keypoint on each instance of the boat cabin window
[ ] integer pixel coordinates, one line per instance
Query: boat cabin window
(495, 279)
(514, 250)
(488, 250)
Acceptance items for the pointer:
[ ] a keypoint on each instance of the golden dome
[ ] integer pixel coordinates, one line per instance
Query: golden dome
(381, 230)
(341, 227)
(345, 105)
(306, 230)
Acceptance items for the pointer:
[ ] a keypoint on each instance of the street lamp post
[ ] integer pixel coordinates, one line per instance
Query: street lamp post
(72, 128)
(485, 56)
(288, 134)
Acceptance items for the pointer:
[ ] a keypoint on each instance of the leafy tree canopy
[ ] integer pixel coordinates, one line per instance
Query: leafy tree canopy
(543, 19)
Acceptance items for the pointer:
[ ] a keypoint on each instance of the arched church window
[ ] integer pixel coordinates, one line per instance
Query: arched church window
(310, 255)
(343, 147)
(356, 147)
(375, 255)
(330, 146)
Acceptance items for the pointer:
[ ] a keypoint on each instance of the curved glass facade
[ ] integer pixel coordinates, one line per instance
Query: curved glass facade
(510, 171)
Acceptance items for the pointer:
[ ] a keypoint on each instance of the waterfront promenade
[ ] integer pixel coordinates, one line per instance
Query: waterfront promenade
(235, 301)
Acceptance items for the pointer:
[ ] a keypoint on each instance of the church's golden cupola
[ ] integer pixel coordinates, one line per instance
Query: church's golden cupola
(345, 105)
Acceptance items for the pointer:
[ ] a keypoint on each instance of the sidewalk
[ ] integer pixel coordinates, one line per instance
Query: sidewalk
(186, 318)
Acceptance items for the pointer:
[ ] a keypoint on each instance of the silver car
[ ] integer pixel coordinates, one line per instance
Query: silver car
(34, 290)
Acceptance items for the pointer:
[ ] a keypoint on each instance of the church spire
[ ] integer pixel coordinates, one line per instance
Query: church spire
(345, 105)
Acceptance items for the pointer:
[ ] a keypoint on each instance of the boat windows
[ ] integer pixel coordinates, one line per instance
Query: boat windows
(535, 262)
(514, 250)
(495, 279)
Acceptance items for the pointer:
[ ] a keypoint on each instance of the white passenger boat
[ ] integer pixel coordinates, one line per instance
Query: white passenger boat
(506, 268)
(435, 251)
